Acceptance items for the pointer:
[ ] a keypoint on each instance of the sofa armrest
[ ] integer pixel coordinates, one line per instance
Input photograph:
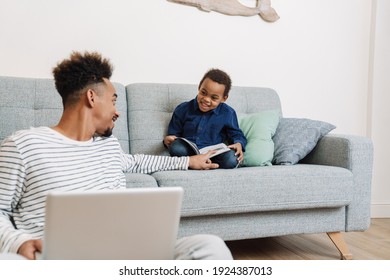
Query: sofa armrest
(356, 154)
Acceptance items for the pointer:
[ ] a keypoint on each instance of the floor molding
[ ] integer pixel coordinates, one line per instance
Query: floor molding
(380, 210)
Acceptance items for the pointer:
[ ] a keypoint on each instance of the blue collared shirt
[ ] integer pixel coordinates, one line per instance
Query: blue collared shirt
(204, 129)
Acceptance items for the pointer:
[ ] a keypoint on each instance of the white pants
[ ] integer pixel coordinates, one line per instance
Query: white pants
(195, 247)
(202, 247)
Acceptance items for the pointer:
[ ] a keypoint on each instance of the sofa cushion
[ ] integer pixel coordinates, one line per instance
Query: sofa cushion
(258, 129)
(267, 188)
(296, 137)
(139, 180)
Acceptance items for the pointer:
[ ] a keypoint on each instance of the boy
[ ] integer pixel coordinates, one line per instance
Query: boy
(207, 120)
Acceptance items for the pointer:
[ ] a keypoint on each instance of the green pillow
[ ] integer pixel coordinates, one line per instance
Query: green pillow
(259, 128)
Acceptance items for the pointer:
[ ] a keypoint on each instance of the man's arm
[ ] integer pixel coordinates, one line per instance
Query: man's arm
(141, 163)
(12, 176)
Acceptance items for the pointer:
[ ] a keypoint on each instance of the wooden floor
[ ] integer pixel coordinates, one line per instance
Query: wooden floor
(373, 244)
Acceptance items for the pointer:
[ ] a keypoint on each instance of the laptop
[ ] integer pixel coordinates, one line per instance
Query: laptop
(130, 224)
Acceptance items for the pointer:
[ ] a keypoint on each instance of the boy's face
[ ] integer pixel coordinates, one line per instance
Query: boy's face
(210, 95)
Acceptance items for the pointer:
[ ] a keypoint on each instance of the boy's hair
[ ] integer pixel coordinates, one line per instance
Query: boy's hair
(219, 77)
(79, 71)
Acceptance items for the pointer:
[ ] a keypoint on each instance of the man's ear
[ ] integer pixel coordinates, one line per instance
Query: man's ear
(91, 96)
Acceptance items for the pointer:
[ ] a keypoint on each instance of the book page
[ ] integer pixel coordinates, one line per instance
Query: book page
(219, 148)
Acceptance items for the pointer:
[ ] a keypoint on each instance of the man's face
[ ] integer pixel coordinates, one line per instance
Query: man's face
(106, 113)
(210, 95)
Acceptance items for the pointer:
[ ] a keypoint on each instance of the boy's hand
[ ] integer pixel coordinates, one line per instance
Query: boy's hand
(169, 139)
(238, 148)
(202, 162)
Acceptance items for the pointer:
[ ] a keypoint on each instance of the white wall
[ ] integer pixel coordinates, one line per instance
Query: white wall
(317, 56)
(380, 113)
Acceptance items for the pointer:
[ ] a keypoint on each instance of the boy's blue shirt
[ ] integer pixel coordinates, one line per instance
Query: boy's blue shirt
(204, 129)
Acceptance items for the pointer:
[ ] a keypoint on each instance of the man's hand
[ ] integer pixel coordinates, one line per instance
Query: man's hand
(28, 248)
(202, 162)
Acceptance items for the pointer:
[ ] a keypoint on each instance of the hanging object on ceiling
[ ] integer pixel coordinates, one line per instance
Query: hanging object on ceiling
(234, 8)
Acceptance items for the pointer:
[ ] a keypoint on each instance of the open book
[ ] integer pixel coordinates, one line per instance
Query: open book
(218, 148)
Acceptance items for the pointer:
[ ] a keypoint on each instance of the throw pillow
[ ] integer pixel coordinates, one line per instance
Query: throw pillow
(295, 138)
(258, 129)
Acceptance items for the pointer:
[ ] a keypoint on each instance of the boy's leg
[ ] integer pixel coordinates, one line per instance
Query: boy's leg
(227, 160)
(202, 247)
(179, 148)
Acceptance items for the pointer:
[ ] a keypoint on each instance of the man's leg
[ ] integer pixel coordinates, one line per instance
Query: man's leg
(202, 247)
(11, 256)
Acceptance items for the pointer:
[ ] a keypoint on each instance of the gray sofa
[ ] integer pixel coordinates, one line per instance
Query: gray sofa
(326, 192)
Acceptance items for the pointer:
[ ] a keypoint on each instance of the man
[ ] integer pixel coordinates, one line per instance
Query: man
(78, 153)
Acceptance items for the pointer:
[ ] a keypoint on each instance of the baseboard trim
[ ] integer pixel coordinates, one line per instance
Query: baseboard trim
(380, 210)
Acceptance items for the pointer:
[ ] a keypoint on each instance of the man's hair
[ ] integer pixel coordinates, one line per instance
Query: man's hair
(219, 77)
(73, 75)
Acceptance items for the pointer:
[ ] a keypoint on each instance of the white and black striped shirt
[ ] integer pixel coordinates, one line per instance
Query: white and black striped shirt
(39, 160)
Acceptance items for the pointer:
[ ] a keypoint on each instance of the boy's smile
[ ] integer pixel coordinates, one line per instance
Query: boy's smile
(210, 95)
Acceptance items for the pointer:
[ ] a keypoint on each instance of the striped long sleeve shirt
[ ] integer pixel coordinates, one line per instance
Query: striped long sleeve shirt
(39, 160)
